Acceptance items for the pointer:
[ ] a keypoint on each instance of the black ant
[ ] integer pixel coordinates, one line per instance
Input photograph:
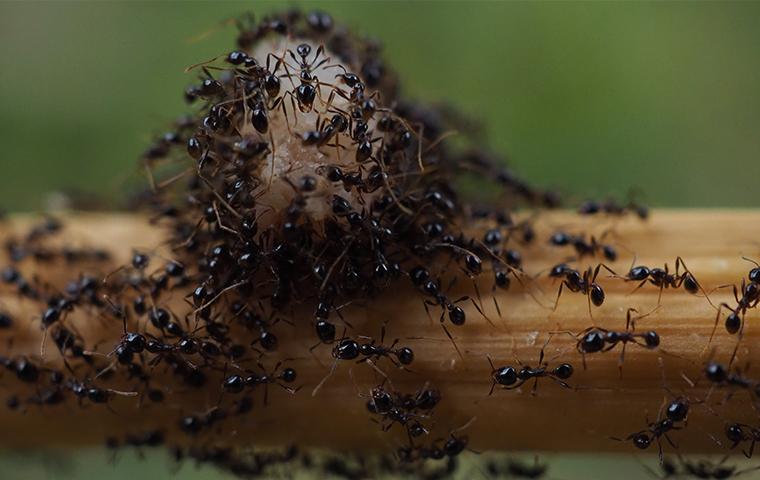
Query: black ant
(582, 247)
(654, 431)
(348, 349)
(95, 395)
(509, 378)
(421, 278)
(749, 299)
(596, 339)
(739, 433)
(395, 408)
(610, 207)
(719, 376)
(576, 282)
(237, 383)
(662, 278)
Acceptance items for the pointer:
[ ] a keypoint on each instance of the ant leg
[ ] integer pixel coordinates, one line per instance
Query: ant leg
(699, 285)
(448, 334)
(622, 359)
(493, 385)
(559, 294)
(496, 304)
(738, 342)
(541, 353)
(560, 382)
(639, 286)
(717, 319)
(319, 386)
(596, 272)
(427, 310)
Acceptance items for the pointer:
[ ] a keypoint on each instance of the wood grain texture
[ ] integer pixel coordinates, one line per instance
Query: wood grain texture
(601, 404)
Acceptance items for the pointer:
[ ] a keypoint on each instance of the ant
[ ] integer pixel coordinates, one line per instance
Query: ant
(509, 378)
(237, 383)
(719, 376)
(402, 408)
(612, 208)
(739, 433)
(662, 278)
(95, 395)
(348, 349)
(582, 247)
(394, 408)
(749, 299)
(576, 282)
(420, 277)
(596, 339)
(654, 431)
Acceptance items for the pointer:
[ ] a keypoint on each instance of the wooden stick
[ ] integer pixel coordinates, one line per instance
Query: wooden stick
(583, 418)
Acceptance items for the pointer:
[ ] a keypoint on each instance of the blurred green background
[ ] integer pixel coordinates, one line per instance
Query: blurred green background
(593, 98)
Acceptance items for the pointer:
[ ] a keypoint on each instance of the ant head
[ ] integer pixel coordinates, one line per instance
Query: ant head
(652, 339)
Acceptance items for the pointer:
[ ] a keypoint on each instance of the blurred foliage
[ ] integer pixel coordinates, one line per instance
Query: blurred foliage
(592, 98)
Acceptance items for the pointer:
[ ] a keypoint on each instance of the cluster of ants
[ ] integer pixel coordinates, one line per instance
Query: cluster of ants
(302, 182)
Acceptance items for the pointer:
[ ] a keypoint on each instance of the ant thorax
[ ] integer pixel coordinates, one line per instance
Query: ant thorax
(313, 126)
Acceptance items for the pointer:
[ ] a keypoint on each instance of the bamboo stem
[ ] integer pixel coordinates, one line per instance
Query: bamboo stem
(602, 405)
